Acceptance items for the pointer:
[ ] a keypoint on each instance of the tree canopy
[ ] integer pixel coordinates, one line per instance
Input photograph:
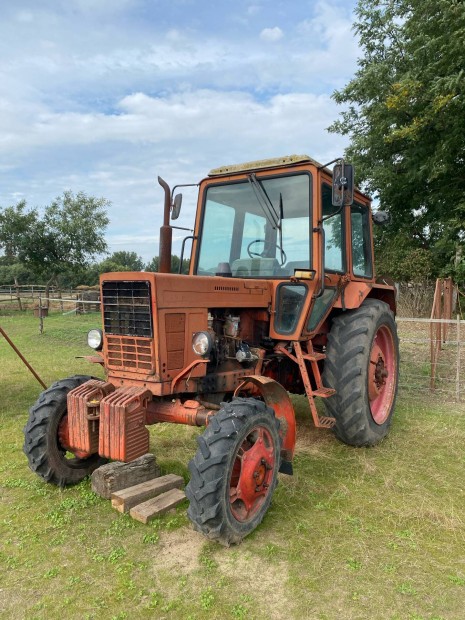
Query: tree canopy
(154, 264)
(404, 111)
(118, 261)
(66, 237)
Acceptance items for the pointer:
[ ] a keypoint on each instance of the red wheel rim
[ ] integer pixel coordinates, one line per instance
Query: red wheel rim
(382, 375)
(251, 474)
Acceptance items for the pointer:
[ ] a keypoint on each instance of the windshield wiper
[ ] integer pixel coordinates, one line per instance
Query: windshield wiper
(281, 216)
(268, 208)
(264, 201)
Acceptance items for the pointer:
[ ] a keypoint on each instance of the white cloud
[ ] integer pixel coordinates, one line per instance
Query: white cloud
(271, 35)
(104, 104)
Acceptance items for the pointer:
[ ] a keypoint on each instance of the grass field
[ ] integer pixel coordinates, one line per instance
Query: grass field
(354, 534)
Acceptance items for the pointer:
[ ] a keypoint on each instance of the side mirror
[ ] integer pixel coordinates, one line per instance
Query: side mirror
(176, 206)
(380, 218)
(343, 184)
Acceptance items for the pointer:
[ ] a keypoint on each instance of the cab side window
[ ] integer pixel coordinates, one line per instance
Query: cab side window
(361, 244)
(334, 234)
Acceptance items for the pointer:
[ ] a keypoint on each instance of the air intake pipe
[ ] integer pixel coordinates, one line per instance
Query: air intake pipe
(166, 232)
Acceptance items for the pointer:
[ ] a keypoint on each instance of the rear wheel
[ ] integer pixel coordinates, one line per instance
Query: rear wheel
(362, 365)
(46, 435)
(234, 472)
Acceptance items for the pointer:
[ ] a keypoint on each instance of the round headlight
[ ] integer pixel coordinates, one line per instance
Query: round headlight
(95, 339)
(202, 343)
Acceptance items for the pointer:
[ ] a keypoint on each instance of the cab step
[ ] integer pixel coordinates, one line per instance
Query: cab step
(314, 357)
(300, 357)
(323, 392)
(325, 422)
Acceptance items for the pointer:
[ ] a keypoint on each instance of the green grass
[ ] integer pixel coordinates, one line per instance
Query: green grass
(354, 534)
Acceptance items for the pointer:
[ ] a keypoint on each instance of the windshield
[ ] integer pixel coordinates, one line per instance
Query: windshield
(259, 227)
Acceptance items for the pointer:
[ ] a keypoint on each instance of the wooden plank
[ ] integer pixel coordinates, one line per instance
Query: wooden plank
(127, 498)
(157, 506)
(115, 476)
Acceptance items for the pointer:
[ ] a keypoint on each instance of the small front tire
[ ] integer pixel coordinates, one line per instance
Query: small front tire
(234, 472)
(44, 437)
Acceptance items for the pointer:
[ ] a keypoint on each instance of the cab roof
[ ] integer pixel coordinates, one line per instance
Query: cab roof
(260, 164)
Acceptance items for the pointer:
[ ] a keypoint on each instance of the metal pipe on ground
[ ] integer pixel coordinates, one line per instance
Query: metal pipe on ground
(22, 358)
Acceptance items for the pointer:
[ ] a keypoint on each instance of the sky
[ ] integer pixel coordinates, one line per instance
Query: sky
(102, 96)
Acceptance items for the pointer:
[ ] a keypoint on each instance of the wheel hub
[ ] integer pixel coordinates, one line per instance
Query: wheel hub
(381, 375)
(378, 373)
(252, 474)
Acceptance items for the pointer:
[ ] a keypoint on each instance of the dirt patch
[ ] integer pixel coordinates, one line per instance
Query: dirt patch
(179, 550)
(264, 580)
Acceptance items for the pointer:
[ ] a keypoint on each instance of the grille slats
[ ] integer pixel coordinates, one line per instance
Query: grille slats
(127, 308)
(127, 319)
(137, 356)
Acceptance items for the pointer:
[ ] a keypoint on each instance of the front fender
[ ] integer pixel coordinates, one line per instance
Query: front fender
(276, 397)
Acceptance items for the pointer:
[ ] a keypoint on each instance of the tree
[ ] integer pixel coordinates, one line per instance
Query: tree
(153, 265)
(405, 116)
(129, 260)
(16, 224)
(65, 239)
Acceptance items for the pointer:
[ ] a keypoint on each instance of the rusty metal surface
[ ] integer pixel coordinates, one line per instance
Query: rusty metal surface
(441, 309)
(83, 415)
(276, 397)
(123, 436)
(132, 354)
(92, 359)
(191, 412)
(313, 357)
(166, 232)
(185, 372)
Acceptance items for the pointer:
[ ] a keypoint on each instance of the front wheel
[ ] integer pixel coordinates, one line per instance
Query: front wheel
(46, 434)
(362, 365)
(234, 472)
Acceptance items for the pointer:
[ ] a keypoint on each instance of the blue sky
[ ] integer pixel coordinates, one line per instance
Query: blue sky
(105, 95)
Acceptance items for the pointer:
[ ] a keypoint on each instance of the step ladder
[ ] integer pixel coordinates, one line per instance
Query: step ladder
(313, 357)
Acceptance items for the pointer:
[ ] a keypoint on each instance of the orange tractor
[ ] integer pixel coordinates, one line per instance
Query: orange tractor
(281, 297)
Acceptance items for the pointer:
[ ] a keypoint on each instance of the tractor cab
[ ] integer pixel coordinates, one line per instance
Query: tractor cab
(293, 222)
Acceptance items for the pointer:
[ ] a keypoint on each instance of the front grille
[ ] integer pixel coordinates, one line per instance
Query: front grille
(131, 354)
(127, 308)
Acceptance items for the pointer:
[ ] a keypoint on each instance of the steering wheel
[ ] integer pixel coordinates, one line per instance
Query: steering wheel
(266, 245)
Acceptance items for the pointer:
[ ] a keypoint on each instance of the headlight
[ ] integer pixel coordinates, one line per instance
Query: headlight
(202, 343)
(95, 339)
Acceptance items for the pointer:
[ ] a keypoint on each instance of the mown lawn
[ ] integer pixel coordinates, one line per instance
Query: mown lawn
(354, 534)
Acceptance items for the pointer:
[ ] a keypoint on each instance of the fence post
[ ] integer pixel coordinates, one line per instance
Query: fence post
(41, 316)
(61, 299)
(435, 331)
(18, 295)
(457, 378)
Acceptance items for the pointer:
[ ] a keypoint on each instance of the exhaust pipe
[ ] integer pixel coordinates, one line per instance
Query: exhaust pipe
(166, 232)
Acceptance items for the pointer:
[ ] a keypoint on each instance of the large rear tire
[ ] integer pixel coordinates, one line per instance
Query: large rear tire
(234, 472)
(362, 365)
(45, 437)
